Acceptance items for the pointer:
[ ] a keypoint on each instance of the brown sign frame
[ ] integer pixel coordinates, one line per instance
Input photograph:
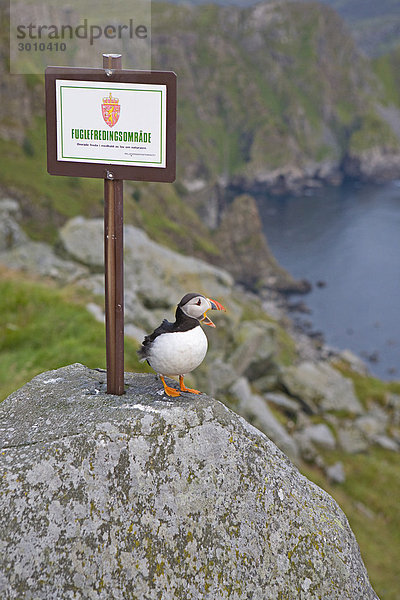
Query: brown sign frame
(165, 174)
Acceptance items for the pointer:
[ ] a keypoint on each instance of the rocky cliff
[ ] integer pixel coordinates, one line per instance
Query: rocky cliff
(276, 94)
(140, 497)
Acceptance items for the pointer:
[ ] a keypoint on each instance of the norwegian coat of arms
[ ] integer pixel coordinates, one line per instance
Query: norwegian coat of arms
(110, 110)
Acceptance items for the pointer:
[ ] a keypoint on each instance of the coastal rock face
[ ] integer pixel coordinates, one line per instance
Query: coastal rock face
(321, 388)
(245, 252)
(374, 165)
(139, 496)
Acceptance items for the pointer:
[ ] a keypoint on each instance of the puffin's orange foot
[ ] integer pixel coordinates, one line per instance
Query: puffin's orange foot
(170, 391)
(184, 388)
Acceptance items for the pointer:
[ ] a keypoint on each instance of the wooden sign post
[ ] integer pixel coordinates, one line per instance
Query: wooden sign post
(114, 268)
(113, 124)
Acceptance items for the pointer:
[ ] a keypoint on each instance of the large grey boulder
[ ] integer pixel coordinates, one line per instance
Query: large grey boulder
(257, 345)
(142, 497)
(320, 435)
(153, 270)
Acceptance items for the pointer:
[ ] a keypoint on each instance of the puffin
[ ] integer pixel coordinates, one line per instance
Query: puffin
(176, 349)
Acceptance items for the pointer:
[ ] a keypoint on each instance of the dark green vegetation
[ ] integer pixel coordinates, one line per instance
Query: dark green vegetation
(374, 25)
(369, 388)
(46, 200)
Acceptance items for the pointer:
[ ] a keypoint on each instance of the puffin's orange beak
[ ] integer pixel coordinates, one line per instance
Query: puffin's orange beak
(214, 306)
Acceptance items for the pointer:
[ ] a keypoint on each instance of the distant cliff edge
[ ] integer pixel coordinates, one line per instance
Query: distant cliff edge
(274, 97)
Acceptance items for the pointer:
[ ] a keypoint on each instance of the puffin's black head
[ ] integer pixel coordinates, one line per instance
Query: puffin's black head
(196, 306)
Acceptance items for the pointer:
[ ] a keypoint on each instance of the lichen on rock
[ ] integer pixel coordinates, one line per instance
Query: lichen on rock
(138, 496)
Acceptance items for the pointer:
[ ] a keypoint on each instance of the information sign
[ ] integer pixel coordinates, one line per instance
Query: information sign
(124, 122)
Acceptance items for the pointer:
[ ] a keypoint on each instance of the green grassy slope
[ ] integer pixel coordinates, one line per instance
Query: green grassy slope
(369, 498)
(46, 200)
(43, 328)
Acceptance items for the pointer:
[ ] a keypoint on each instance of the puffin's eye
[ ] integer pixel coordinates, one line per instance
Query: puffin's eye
(198, 302)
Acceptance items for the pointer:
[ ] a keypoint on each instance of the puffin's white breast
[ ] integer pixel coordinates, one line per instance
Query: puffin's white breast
(178, 353)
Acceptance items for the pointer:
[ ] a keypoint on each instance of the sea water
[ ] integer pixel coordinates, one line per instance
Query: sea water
(346, 242)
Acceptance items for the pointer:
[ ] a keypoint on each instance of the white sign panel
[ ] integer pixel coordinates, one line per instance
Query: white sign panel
(111, 123)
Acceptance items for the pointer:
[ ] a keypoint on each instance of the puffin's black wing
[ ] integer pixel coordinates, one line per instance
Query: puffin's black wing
(165, 327)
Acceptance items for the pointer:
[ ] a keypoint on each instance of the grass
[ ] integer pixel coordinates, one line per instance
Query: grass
(368, 388)
(167, 218)
(44, 328)
(386, 67)
(369, 498)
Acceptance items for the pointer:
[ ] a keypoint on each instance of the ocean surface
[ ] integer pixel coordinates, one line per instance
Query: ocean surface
(346, 243)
